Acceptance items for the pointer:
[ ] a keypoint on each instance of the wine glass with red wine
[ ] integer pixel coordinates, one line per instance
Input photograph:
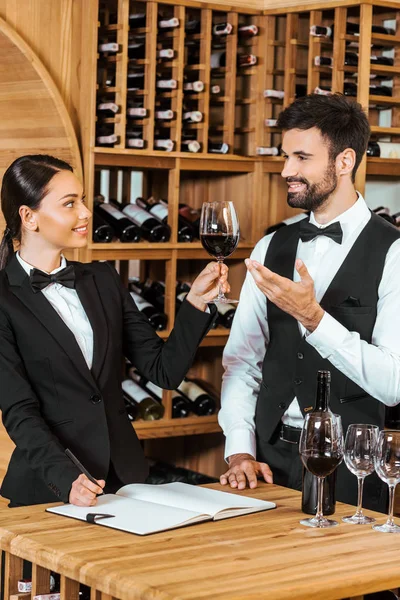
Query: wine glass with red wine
(321, 450)
(219, 234)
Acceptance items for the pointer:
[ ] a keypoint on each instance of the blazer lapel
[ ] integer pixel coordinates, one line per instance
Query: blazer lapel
(91, 302)
(41, 308)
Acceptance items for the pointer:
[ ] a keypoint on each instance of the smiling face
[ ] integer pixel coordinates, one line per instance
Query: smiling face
(309, 170)
(62, 218)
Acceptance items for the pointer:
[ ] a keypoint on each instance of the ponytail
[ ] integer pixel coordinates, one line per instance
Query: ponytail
(6, 248)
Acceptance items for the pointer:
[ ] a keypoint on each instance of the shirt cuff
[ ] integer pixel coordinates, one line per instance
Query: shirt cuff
(241, 441)
(328, 336)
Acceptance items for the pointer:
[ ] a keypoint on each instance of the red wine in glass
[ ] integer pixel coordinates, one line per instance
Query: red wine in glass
(219, 234)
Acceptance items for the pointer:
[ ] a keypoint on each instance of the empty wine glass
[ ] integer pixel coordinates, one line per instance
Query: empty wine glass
(387, 466)
(359, 452)
(321, 450)
(219, 235)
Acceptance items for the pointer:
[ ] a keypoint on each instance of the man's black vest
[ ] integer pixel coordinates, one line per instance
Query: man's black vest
(290, 364)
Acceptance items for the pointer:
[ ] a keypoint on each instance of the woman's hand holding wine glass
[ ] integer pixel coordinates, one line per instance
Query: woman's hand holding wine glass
(207, 285)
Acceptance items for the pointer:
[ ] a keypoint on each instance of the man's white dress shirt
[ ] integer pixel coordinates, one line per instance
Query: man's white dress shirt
(68, 306)
(374, 367)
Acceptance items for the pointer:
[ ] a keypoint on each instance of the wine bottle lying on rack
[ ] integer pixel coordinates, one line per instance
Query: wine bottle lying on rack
(218, 147)
(149, 409)
(350, 89)
(247, 31)
(158, 319)
(136, 50)
(351, 29)
(190, 146)
(192, 26)
(218, 59)
(131, 407)
(165, 53)
(137, 20)
(135, 110)
(268, 151)
(123, 227)
(135, 81)
(102, 231)
(270, 122)
(107, 109)
(300, 90)
(192, 116)
(106, 137)
(164, 115)
(151, 229)
(193, 86)
(226, 312)
(168, 23)
(159, 210)
(351, 60)
(109, 48)
(202, 403)
(383, 149)
(134, 138)
(167, 84)
(164, 144)
(181, 407)
(222, 29)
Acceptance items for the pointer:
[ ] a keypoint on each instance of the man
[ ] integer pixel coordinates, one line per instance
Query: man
(322, 293)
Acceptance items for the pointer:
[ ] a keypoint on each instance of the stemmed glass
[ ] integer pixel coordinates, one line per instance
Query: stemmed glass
(219, 235)
(321, 450)
(387, 466)
(359, 451)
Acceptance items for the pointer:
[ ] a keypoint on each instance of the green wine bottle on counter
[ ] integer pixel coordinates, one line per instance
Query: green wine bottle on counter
(309, 498)
(149, 409)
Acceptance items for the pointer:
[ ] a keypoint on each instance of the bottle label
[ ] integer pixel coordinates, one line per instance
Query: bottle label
(112, 210)
(159, 211)
(134, 390)
(140, 302)
(152, 387)
(191, 390)
(224, 308)
(137, 214)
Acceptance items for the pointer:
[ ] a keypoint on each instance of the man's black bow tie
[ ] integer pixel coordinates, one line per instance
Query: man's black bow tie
(308, 231)
(39, 280)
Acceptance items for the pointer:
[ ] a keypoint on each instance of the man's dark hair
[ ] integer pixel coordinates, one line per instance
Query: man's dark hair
(342, 122)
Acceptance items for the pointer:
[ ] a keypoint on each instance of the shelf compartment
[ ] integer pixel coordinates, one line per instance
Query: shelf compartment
(176, 427)
(383, 167)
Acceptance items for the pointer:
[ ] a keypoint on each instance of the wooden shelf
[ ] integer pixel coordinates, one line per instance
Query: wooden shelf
(385, 130)
(162, 251)
(383, 167)
(176, 427)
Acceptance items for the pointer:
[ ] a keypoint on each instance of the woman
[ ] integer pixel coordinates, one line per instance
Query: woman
(64, 328)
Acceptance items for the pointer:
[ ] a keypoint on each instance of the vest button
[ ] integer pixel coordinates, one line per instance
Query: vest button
(281, 405)
(95, 399)
(300, 355)
(298, 381)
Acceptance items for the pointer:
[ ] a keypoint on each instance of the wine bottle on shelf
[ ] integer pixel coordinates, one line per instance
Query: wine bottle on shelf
(246, 31)
(192, 116)
(136, 50)
(168, 23)
(310, 482)
(218, 147)
(351, 29)
(165, 53)
(158, 319)
(181, 407)
(222, 29)
(159, 210)
(226, 312)
(134, 138)
(109, 48)
(164, 144)
(123, 227)
(137, 20)
(383, 149)
(215, 89)
(131, 407)
(167, 84)
(193, 86)
(135, 110)
(380, 90)
(190, 215)
(107, 109)
(192, 26)
(270, 122)
(106, 137)
(267, 151)
(164, 115)
(218, 59)
(300, 90)
(149, 409)
(102, 231)
(152, 229)
(188, 228)
(351, 60)
(202, 403)
(190, 146)
(135, 81)
(285, 222)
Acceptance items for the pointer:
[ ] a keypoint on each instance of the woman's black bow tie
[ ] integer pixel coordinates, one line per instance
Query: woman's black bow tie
(39, 280)
(308, 231)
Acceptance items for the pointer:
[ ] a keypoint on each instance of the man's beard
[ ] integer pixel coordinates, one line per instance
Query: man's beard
(315, 194)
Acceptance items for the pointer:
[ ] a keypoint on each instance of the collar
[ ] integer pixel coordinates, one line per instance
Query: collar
(350, 220)
(28, 268)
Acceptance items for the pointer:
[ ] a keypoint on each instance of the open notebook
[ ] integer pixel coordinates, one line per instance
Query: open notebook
(143, 509)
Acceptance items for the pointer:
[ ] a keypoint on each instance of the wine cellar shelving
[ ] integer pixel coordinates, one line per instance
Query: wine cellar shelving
(219, 93)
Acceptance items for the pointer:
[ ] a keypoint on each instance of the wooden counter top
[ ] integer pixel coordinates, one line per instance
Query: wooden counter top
(267, 555)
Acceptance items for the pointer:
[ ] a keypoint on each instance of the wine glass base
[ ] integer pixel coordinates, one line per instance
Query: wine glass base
(322, 523)
(385, 528)
(358, 520)
(224, 301)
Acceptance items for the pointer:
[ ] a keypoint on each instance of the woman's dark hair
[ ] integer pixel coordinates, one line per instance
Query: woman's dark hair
(25, 183)
(342, 122)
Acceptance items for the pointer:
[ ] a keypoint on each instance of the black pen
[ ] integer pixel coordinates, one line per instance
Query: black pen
(82, 469)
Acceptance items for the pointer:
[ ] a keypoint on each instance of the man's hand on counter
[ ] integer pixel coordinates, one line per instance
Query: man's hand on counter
(295, 298)
(244, 470)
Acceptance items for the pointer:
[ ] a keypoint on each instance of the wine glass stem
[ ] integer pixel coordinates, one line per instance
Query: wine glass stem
(319, 514)
(390, 520)
(220, 292)
(360, 496)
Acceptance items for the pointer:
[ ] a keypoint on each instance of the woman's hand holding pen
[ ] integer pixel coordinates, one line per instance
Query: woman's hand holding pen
(84, 492)
(205, 287)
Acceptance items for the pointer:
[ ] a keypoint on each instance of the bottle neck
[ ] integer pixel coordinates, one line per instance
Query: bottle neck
(322, 396)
